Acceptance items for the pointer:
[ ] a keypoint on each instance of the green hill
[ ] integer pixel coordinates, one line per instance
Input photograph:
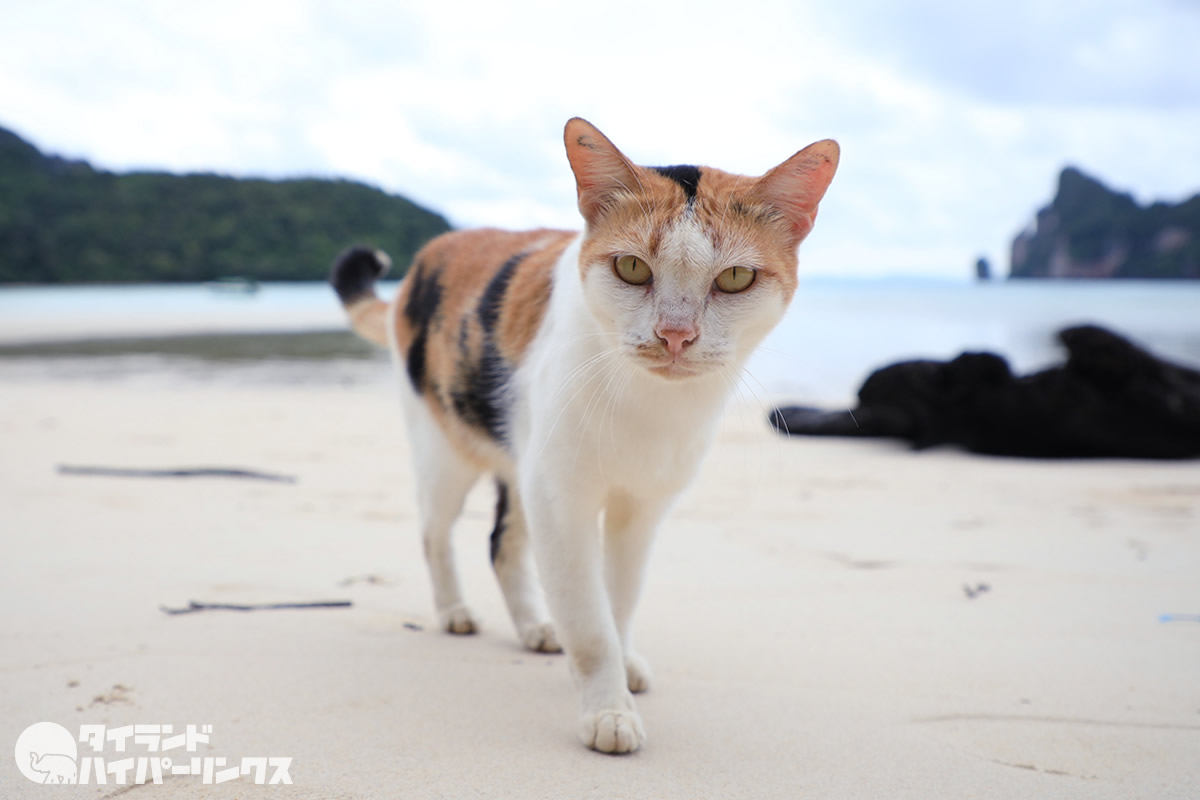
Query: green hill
(65, 221)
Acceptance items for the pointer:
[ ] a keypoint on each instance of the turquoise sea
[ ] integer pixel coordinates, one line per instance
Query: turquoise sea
(835, 333)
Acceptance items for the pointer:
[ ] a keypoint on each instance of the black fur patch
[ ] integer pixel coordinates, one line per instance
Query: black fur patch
(493, 296)
(501, 525)
(479, 399)
(354, 273)
(420, 309)
(464, 338)
(686, 175)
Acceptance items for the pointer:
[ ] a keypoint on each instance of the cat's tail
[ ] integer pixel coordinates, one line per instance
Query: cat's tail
(353, 277)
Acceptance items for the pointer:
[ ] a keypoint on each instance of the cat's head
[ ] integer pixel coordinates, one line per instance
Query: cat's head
(687, 268)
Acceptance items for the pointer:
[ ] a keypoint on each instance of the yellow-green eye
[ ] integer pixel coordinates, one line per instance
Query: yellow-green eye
(632, 269)
(736, 279)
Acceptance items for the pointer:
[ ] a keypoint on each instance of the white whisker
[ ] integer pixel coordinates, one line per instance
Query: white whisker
(598, 396)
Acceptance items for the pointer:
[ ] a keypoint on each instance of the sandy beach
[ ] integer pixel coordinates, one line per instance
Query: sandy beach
(825, 618)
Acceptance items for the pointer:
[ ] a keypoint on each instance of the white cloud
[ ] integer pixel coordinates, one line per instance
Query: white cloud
(954, 118)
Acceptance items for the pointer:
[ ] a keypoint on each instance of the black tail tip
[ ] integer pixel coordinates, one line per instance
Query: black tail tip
(355, 271)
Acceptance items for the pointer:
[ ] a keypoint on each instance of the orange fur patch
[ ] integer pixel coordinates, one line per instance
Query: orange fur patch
(472, 297)
(725, 206)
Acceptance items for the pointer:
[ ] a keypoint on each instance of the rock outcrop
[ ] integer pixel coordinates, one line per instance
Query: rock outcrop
(1090, 231)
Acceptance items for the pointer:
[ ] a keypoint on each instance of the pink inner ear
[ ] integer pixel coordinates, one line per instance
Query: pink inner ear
(796, 186)
(600, 169)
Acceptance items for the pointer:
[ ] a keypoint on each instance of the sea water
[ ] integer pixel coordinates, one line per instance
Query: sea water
(835, 333)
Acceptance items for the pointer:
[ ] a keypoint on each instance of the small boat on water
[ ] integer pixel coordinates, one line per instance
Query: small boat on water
(234, 284)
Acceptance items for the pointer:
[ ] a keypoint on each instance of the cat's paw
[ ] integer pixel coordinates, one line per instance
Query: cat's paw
(638, 674)
(458, 620)
(613, 730)
(540, 638)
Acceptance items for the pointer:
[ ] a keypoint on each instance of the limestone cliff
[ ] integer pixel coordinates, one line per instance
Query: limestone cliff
(1090, 231)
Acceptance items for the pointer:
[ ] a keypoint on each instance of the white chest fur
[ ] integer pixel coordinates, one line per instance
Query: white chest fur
(585, 407)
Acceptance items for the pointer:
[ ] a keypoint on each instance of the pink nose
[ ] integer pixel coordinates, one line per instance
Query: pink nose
(676, 338)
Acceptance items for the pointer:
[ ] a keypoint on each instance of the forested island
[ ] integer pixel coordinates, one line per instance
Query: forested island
(64, 221)
(1090, 231)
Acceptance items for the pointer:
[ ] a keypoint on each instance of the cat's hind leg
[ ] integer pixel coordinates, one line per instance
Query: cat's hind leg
(443, 478)
(516, 572)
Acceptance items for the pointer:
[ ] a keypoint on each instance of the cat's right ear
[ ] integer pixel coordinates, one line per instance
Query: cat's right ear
(602, 173)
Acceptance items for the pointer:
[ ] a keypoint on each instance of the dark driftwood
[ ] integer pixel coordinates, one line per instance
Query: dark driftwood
(1110, 399)
(179, 472)
(193, 606)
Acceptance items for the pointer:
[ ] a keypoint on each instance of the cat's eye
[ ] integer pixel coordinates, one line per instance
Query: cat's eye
(736, 279)
(632, 269)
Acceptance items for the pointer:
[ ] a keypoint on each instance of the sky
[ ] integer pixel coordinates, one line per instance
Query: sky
(954, 118)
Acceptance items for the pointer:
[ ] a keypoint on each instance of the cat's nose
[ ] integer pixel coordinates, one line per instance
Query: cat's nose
(676, 338)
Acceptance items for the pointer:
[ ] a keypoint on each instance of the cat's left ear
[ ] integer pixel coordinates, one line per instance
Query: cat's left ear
(601, 170)
(797, 185)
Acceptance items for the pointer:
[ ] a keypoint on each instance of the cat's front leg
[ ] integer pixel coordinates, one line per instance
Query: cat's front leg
(629, 527)
(563, 525)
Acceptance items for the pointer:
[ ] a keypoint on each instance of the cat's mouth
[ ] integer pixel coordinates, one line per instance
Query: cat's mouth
(656, 360)
(673, 369)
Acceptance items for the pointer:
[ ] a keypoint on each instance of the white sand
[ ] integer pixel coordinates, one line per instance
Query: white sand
(805, 613)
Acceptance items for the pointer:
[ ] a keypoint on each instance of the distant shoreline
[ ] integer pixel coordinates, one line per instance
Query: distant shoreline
(836, 332)
(226, 346)
(883, 277)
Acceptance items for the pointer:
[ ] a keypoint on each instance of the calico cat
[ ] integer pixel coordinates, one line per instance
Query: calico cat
(586, 373)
